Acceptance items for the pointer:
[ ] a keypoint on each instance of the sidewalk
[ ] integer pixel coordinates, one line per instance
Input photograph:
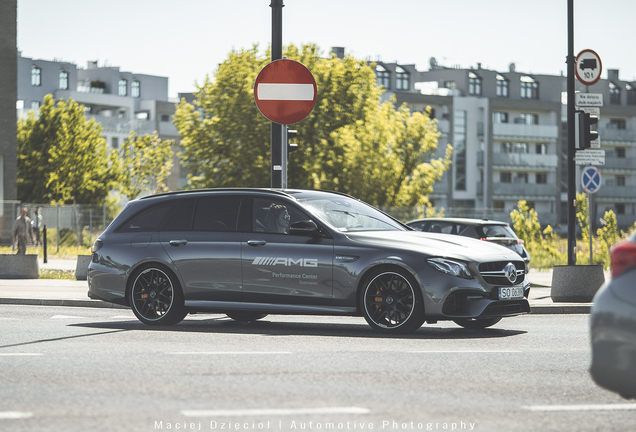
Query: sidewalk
(57, 292)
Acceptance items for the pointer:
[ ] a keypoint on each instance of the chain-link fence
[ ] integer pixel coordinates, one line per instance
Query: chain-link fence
(69, 225)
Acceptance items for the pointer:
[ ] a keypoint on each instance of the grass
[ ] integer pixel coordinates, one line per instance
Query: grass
(65, 252)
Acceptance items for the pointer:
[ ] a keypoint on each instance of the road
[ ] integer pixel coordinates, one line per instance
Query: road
(89, 369)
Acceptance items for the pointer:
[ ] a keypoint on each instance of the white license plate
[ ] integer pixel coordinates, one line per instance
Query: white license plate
(510, 293)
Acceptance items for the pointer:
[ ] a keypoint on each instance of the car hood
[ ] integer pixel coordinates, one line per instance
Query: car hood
(432, 244)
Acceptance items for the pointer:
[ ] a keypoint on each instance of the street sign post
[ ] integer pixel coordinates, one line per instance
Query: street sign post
(591, 179)
(285, 91)
(588, 67)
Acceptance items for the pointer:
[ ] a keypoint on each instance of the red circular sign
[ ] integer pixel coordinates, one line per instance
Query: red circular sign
(285, 91)
(588, 67)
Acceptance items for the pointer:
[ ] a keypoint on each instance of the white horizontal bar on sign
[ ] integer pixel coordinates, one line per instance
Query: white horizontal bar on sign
(294, 92)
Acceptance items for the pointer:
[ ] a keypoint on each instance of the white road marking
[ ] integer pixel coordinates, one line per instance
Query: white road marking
(607, 407)
(465, 352)
(14, 415)
(274, 412)
(66, 317)
(228, 352)
(20, 354)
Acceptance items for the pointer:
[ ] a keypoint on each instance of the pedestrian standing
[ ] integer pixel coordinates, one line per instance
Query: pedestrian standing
(21, 229)
(37, 224)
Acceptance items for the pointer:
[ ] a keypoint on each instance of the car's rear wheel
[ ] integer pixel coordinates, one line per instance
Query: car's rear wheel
(155, 296)
(391, 301)
(477, 323)
(245, 316)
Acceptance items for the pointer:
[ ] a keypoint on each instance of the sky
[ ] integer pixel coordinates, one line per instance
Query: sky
(185, 40)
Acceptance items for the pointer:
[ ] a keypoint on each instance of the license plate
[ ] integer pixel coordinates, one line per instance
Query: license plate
(510, 293)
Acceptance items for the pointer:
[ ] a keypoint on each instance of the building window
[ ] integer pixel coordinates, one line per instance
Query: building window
(542, 178)
(620, 181)
(401, 79)
(506, 147)
(541, 149)
(620, 209)
(383, 77)
(460, 150)
(529, 119)
(114, 143)
(505, 177)
(529, 88)
(135, 89)
(521, 178)
(500, 117)
(63, 80)
(122, 87)
(615, 123)
(474, 84)
(499, 205)
(36, 76)
(450, 85)
(615, 94)
(35, 105)
(620, 152)
(631, 94)
(502, 86)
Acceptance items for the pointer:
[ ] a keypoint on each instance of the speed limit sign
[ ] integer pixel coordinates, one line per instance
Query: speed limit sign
(588, 67)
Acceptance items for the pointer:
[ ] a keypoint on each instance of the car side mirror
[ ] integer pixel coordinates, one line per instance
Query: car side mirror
(304, 228)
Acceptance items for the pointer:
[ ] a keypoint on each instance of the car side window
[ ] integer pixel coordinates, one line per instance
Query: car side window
(181, 220)
(149, 219)
(274, 216)
(219, 213)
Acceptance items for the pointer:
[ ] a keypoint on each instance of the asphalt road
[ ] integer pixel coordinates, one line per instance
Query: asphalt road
(88, 369)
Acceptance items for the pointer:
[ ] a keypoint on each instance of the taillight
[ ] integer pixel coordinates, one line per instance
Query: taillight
(623, 257)
(97, 245)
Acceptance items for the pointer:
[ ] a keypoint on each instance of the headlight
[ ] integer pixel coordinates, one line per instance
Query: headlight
(450, 267)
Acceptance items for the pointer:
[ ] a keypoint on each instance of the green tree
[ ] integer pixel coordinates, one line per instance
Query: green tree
(226, 141)
(388, 157)
(62, 157)
(144, 164)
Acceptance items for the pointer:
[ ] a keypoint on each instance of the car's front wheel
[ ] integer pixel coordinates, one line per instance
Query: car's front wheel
(391, 301)
(477, 323)
(155, 296)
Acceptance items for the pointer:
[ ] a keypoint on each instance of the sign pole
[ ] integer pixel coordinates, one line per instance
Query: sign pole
(571, 203)
(276, 129)
(590, 200)
(283, 153)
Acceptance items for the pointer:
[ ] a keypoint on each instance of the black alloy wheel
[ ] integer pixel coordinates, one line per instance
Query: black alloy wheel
(391, 302)
(156, 298)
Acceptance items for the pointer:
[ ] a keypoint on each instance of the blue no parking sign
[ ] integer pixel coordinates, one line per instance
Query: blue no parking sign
(591, 179)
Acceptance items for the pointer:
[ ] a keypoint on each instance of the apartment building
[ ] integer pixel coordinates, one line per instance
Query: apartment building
(509, 133)
(122, 102)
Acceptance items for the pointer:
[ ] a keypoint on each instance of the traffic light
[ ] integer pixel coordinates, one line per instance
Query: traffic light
(586, 135)
(291, 134)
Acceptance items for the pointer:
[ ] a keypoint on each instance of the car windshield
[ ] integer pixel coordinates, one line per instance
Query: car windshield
(346, 214)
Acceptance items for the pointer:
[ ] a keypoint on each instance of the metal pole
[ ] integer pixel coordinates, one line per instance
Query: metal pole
(589, 223)
(571, 204)
(283, 153)
(44, 245)
(276, 129)
(58, 229)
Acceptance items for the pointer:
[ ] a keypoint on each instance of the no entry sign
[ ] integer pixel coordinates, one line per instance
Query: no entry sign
(285, 91)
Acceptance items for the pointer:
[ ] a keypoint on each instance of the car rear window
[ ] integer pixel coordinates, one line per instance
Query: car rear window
(149, 219)
(496, 231)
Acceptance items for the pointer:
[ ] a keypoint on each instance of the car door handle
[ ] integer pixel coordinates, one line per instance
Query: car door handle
(180, 242)
(256, 242)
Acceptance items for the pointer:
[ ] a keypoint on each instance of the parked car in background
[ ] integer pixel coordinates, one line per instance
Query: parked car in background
(252, 252)
(613, 324)
(493, 231)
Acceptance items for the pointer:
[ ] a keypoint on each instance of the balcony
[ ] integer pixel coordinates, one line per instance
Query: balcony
(524, 190)
(613, 191)
(525, 160)
(613, 134)
(525, 131)
(614, 162)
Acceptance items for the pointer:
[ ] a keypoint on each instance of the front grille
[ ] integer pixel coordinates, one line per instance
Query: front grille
(494, 272)
(456, 304)
(507, 308)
